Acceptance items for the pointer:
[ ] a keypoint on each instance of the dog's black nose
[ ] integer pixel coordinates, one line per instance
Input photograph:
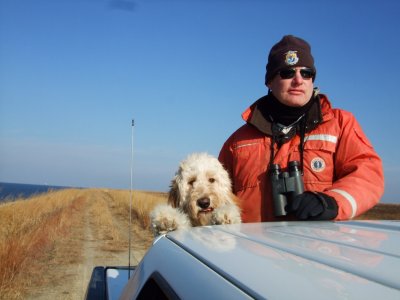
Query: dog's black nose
(203, 202)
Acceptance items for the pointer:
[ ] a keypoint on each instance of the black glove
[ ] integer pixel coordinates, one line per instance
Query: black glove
(313, 206)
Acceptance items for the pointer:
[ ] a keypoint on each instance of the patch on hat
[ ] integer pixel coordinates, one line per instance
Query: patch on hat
(291, 58)
(318, 164)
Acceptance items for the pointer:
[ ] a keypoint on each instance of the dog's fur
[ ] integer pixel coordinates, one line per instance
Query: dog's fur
(200, 194)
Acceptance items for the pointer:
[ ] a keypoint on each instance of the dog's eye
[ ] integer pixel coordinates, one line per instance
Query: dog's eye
(191, 181)
(211, 180)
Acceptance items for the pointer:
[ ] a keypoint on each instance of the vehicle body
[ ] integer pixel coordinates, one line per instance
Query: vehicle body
(277, 260)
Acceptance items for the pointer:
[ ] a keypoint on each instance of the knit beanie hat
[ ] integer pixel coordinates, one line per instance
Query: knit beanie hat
(289, 52)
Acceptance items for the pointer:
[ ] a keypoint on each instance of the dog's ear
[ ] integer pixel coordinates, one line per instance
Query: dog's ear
(173, 195)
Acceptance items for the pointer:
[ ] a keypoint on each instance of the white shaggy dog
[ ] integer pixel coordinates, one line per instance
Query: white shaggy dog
(200, 194)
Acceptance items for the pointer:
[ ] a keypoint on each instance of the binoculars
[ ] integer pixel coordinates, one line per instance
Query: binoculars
(285, 185)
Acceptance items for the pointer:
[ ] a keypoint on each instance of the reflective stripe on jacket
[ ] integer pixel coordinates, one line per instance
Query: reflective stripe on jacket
(339, 161)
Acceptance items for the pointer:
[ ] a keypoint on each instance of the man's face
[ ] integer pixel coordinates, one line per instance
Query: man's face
(295, 91)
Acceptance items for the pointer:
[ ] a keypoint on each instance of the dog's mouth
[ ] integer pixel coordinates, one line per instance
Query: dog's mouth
(206, 210)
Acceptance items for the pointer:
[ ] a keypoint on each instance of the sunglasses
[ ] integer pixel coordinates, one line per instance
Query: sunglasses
(306, 73)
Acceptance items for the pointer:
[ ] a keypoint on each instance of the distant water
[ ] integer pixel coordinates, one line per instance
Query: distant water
(11, 191)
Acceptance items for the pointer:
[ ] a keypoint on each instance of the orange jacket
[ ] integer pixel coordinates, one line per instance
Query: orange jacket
(338, 160)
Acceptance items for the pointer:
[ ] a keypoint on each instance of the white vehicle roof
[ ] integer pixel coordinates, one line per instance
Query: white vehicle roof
(280, 260)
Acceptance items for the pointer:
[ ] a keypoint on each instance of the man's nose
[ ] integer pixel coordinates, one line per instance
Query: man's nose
(297, 77)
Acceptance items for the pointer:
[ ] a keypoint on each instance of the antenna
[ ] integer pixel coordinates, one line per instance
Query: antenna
(130, 203)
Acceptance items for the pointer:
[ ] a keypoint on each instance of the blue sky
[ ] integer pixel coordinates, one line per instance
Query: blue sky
(73, 73)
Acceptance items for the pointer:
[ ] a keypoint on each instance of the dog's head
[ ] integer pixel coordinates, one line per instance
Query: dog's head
(200, 185)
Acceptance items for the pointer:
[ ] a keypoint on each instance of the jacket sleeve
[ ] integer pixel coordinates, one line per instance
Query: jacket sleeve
(358, 184)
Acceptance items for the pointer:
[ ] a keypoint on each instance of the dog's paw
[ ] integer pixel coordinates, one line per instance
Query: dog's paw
(227, 214)
(165, 218)
(163, 226)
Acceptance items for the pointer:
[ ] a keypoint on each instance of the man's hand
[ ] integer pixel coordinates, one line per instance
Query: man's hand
(313, 206)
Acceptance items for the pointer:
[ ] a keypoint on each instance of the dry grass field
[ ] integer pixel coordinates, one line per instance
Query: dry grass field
(50, 243)
(382, 212)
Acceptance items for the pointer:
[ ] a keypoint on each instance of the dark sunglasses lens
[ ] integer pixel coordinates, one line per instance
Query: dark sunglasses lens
(288, 73)
(307, 73)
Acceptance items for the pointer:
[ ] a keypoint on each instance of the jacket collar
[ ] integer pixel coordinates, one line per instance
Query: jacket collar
(318, 113)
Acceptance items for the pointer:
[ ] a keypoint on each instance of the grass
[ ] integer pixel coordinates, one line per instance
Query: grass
(27, 230)
(34, 231)
(382, 212)
(142, 203)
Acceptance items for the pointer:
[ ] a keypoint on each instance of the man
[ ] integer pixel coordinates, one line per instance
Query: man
(342, 173)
